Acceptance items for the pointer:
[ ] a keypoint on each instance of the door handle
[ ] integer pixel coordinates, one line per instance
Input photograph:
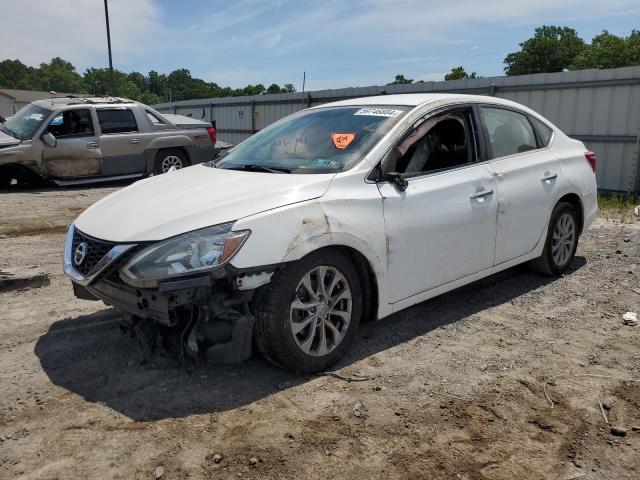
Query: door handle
(482, 193)
(92, 145)
(549, 176)
(134, 140)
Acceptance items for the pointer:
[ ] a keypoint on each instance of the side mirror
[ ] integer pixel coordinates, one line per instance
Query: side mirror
(397, 179)
(49, 139)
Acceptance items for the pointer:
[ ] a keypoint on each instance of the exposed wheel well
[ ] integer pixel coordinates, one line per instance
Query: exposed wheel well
(574, 200)
(20, 173)
(181, 149)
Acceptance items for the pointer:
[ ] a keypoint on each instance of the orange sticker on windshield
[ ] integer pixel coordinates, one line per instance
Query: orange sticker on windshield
(342, 140)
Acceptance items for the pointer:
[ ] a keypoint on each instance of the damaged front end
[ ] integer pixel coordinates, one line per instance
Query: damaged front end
(180, 294)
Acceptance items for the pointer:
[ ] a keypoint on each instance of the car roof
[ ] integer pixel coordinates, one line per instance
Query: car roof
(416, 99)
(80, 100)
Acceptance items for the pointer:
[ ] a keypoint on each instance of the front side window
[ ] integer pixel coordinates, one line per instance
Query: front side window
(71, 123)
(509, 132)
(321, 140)
(26, 121)
(440, 142)
(119, 120)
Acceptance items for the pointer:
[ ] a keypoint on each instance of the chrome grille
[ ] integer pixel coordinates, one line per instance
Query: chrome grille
(96, 249)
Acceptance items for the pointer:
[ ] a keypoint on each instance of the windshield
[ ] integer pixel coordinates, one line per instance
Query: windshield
(322, 140)
(26, 121)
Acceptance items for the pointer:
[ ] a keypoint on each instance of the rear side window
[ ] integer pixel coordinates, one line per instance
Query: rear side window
(117, 121)
(509, 132)
(544, 131)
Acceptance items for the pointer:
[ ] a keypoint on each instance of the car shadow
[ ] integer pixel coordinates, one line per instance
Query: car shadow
(89, 356)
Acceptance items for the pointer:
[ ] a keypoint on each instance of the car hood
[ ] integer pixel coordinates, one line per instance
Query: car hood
(7, 140)
(196, 197)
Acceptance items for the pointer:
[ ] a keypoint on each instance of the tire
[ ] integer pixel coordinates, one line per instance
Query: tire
(292, 336)
(167, 158)
(561, 243)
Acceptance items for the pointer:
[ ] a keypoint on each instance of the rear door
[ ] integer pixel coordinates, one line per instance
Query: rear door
(77, 152)
(442, 227)
(121, 141)
(527, 178)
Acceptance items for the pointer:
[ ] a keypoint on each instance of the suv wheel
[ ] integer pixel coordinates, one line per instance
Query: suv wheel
(172, 157)
(308, 315)
(562, 241)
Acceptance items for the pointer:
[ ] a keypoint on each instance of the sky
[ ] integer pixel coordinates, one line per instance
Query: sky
(338, 43)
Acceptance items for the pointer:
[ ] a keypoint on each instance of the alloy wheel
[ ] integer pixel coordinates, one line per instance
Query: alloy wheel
(563, 240)
(320, 311)
(171, 161)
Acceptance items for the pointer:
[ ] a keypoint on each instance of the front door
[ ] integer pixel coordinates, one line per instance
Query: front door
(77, 153)
(121, 142)
(527, 174)
(443, 226)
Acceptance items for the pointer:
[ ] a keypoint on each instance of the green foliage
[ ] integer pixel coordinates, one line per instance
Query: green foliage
(15, 74)
(459, 73)
(552, 49)
(401, 80)
(609, 51)
(288, 88)
(618, 206)
(61, 76)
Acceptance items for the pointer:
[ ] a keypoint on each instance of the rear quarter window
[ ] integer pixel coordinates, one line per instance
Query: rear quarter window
(153, 118)
(544, 131)
(117, 121)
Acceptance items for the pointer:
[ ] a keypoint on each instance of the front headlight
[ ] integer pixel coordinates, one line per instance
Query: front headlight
(192, 252)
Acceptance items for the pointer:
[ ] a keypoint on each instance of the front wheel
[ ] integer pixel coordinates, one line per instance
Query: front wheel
(562, 241)
(169, 158)
(307, 317)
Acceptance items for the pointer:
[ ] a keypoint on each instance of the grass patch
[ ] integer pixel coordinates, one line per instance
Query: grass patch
(618, 206)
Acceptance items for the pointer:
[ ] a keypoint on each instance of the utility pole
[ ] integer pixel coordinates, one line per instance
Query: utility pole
(106, 16)
(304, 79)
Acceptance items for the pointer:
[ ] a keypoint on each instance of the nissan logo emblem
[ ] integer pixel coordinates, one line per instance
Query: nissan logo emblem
(80, 253)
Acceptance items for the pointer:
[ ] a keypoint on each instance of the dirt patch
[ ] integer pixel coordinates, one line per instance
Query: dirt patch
(456, 388)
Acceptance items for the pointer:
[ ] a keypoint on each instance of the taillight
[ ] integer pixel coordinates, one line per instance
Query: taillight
(213, 135)
(591, 158)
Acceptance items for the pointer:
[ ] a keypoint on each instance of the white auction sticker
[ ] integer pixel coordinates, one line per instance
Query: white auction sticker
(378, 112)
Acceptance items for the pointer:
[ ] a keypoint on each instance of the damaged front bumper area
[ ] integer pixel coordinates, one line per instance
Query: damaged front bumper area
(203, 316)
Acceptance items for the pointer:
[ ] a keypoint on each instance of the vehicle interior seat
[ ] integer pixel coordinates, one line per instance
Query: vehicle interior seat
(449, 145)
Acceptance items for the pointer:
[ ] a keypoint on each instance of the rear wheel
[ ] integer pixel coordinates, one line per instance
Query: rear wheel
(307, 317)
(562, 241)
(166, 159)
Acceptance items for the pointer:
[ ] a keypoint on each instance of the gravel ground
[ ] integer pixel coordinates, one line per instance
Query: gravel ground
(457, 387)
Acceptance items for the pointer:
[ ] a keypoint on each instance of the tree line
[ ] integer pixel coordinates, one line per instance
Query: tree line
(551, 49)
(61, 76)
(557, 49)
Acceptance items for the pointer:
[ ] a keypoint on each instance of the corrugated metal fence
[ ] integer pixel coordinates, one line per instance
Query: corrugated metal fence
(599, 107)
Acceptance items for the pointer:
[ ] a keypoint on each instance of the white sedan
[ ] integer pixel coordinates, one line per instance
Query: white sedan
(343, 212)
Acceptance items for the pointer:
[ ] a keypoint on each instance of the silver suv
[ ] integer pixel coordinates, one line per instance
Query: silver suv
(75, 140)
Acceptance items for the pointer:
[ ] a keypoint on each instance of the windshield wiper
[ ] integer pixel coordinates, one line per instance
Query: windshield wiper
(254, 167)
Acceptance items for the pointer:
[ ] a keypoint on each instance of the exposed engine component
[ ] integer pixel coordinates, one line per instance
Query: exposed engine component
(219, 331)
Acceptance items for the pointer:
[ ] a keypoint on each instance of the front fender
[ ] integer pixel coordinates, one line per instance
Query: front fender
(289, 233)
